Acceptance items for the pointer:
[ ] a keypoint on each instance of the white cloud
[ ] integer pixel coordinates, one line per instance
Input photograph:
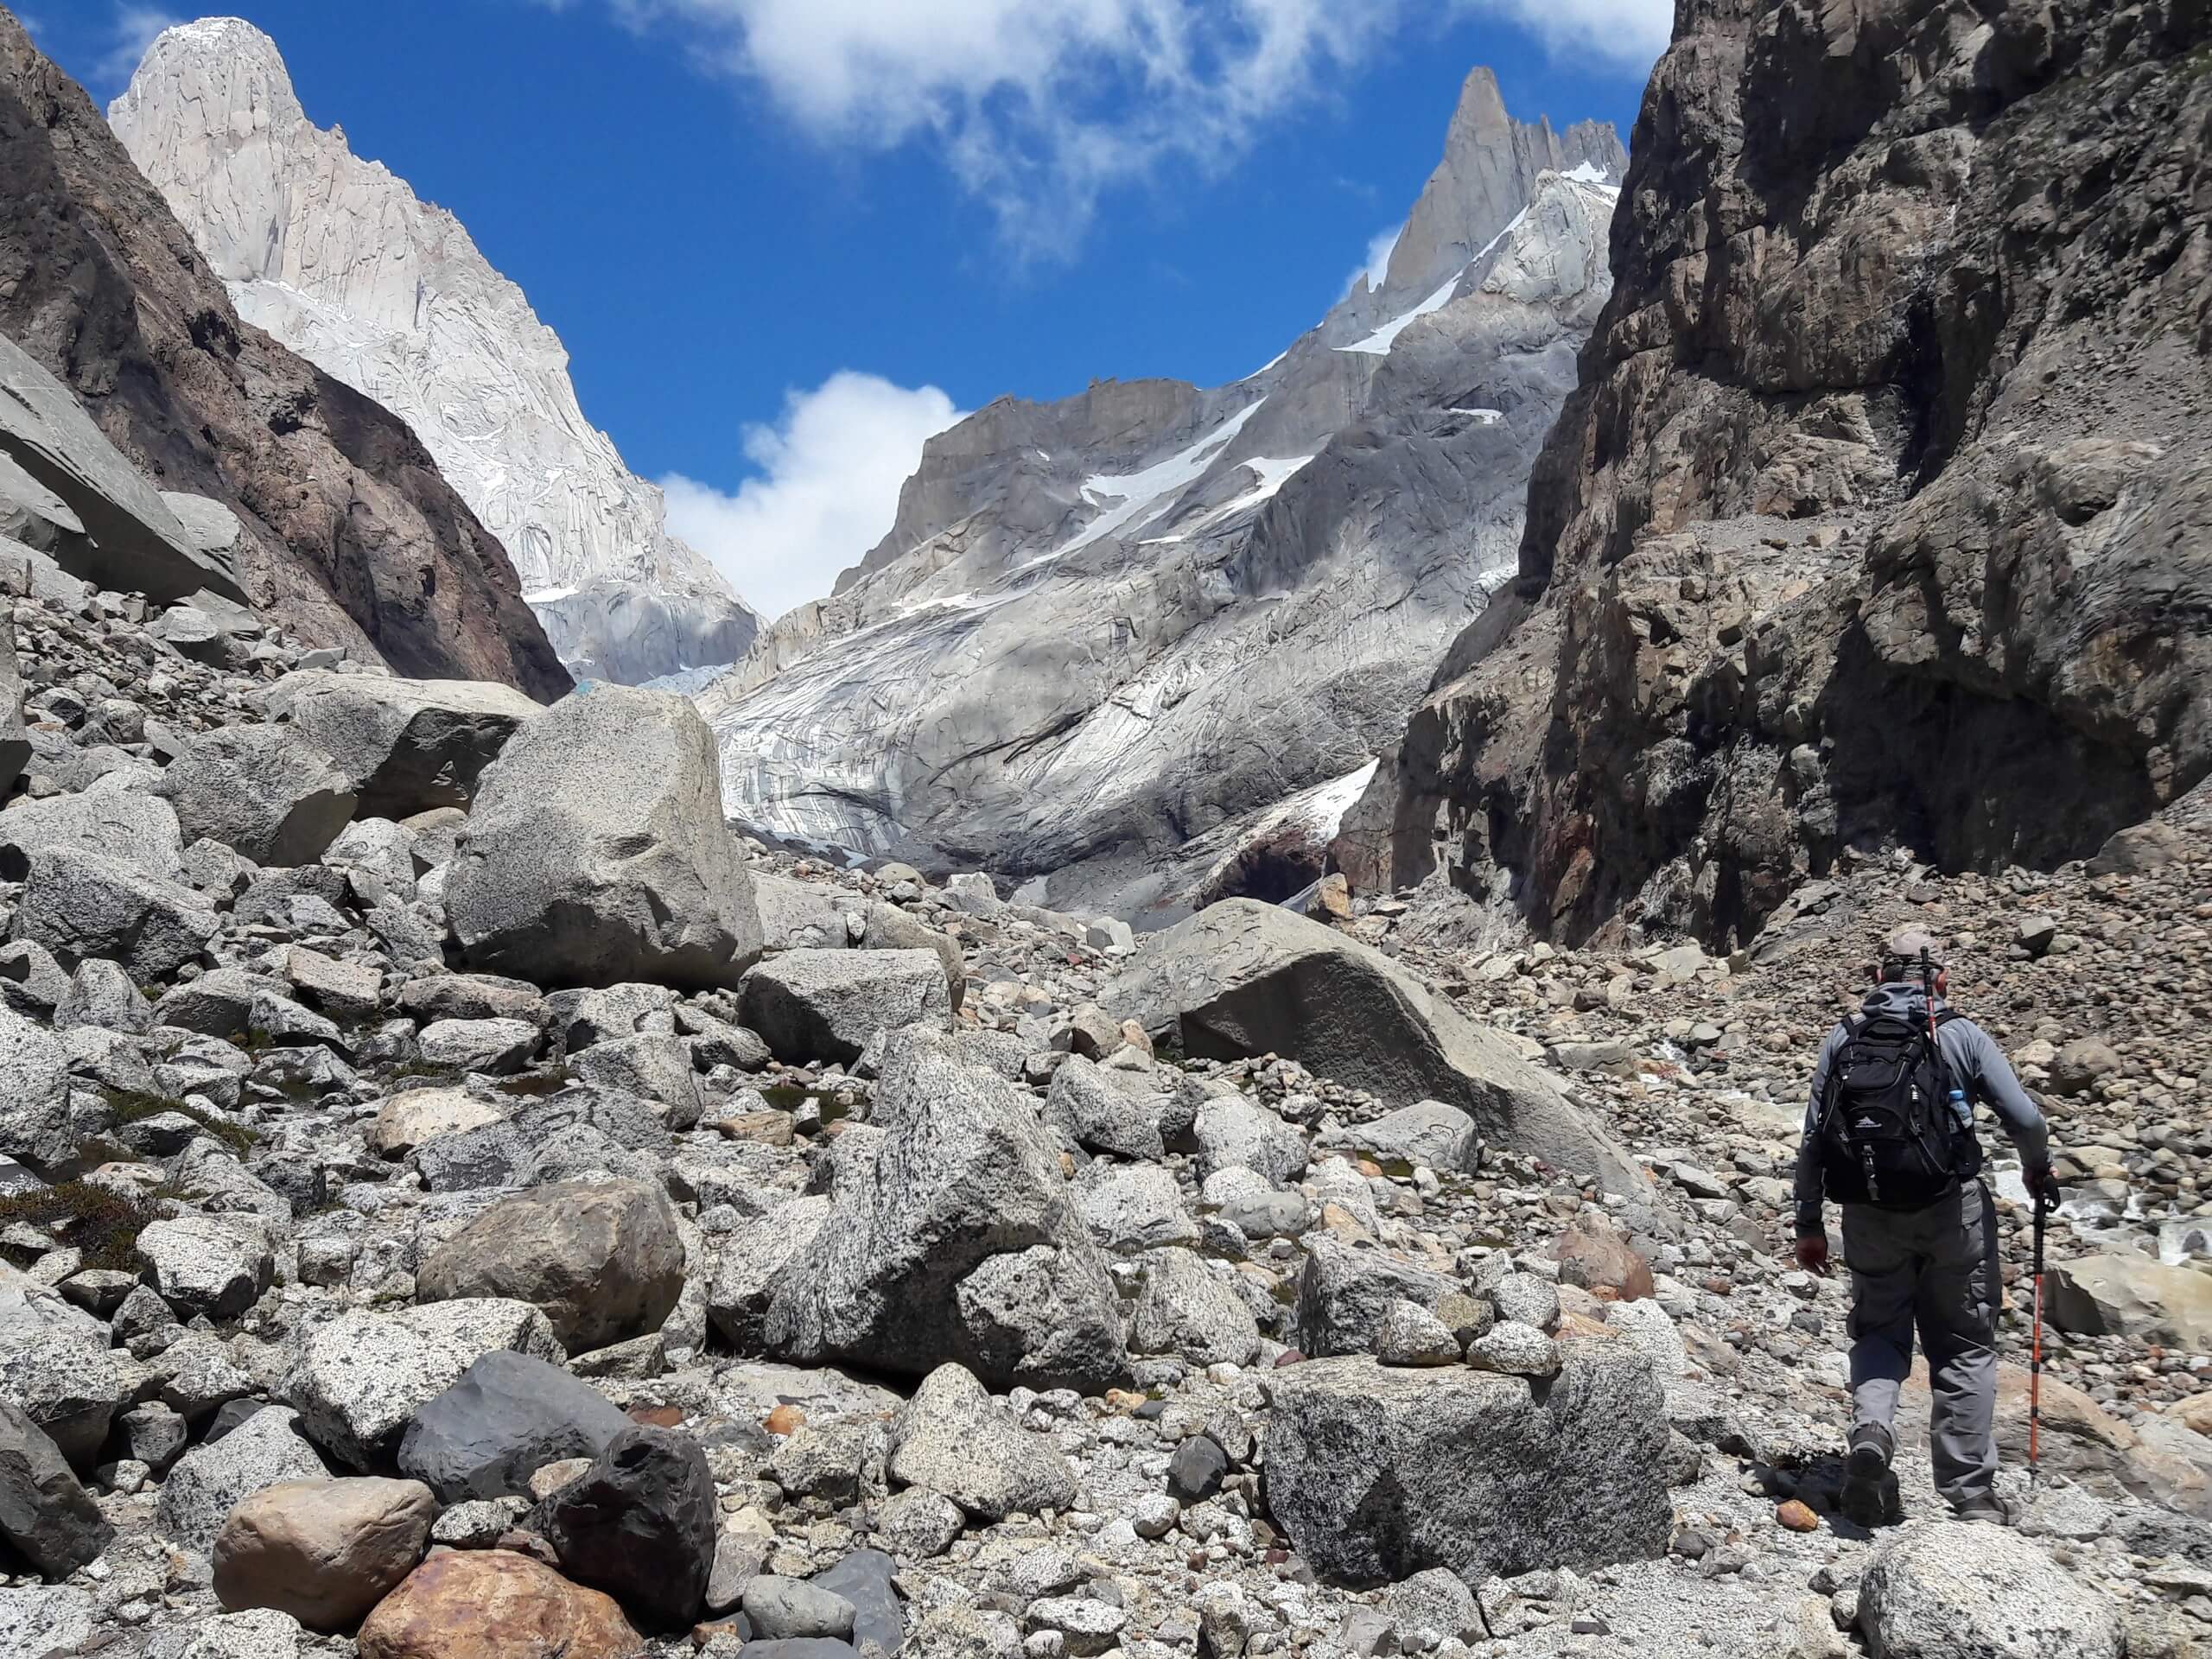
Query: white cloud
(128, 36)
(1628, 35)
(1040, 105)
(1373, 269)
(831, 470)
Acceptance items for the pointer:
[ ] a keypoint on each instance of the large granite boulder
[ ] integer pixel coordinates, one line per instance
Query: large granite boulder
(66, 1382)
(826, 1005)
(129, 824)
(953, 1237)
(2123, 1294)
(953, 1439)
(798, 915)
(1185, 1308)
(1426, 1133)
(1102, 1109)
(601, 1259)
(1243, 978)
(35, 1120)
(79, 904)
(597, 852)
(404, 745)
(210, 1479)
(15, 737)
(1952, 1590)
(359, 1380)
(265, 791)
(1377, 1473)
(750, 1270)
(1344, 1291)
(217, 1265)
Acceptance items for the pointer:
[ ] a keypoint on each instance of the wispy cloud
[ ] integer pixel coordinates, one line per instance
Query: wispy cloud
(129, 36)
(1040, 106)
(1627, 34)
(1376, 264)
(830, 473)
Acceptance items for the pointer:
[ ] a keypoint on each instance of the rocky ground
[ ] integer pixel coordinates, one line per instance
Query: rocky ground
(967, 1279)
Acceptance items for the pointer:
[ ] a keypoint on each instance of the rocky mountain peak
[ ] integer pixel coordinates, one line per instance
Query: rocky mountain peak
(1113, 639)
(345, 533)
(336, 257)
(1487, 175)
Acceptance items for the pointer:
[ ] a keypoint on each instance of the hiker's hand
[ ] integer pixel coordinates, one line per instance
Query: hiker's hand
(1813, 1254)
(2043, 1186)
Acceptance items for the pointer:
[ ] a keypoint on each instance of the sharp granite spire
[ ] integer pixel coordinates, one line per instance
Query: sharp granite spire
(340, 261)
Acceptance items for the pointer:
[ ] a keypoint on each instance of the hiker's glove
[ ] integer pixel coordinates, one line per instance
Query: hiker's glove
(2043, 1186)
(1813, 1252)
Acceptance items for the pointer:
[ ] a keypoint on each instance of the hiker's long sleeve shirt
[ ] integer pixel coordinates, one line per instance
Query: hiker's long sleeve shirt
(1976, 1065)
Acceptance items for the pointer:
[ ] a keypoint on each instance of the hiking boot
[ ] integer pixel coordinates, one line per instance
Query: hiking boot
(1988, 1507)
(1870, 1490)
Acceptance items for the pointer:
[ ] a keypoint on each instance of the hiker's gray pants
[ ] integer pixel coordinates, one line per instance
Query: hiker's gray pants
(1936, 1268)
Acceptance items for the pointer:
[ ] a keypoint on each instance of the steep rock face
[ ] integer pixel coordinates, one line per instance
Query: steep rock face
(340, 260)
(1879, 513)
(1106, 632)
(348, 534)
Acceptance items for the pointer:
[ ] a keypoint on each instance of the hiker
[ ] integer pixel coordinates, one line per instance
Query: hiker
(1889, 1135)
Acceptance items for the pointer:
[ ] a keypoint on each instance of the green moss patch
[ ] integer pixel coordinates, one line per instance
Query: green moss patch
(130, 1107)
(99, 1222)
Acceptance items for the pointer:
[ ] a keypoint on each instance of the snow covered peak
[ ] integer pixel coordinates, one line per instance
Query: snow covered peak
(339, 259)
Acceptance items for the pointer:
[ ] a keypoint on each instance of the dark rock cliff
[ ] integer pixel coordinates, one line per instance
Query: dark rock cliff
(351, 536)
(1883, 514)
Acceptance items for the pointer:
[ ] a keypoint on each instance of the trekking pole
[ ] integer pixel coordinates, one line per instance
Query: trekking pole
(1928, 993)
(2035, 1355)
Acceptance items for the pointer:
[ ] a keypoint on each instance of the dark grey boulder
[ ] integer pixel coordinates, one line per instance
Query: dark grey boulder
(639, 1524)
(863, 1578)
(1196, 1469)
(509, 1414)
(50, 1520)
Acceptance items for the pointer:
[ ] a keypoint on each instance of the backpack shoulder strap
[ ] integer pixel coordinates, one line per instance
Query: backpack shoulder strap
(1852, 1025)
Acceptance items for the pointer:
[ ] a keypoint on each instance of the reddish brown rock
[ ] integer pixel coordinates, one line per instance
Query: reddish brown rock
(1796, 1516)
(492, 1604)
(1605, 1264)
(785, 1418)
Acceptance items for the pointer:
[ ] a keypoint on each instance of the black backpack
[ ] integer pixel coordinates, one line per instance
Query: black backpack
(1889, 1135)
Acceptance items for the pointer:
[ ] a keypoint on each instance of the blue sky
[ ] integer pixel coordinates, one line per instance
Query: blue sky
(782, 238)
